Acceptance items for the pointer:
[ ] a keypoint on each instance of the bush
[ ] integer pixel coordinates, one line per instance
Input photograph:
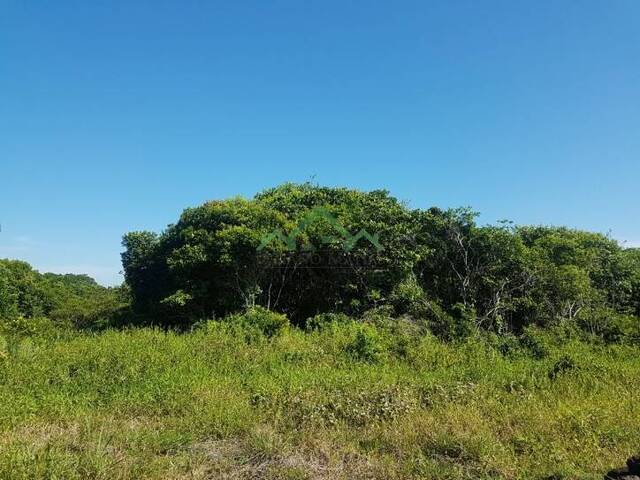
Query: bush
(399, 334)
(506, 344)
(367, 345)
(17, 329)
(323, 320)
(535, 342)
(381, 317)
(564, 365)
(458, 326)
(409, 298)
(611, 326)
(267, 322)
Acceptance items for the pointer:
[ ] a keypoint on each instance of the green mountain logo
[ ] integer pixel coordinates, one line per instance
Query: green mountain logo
(314, 215)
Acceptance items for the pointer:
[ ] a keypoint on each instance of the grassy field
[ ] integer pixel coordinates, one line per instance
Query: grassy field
(345, 401)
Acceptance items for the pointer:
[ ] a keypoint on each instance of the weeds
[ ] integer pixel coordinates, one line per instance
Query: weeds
(340, 400)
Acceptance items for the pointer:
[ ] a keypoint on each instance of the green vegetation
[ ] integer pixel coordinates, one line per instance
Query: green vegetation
(67, 300)
(347, 400)
(455, 351)
(435, 265)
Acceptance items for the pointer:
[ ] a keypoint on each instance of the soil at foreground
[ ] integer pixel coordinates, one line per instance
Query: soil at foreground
(341, 402)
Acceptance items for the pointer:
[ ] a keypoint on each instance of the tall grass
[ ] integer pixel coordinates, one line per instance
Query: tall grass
(343, 401)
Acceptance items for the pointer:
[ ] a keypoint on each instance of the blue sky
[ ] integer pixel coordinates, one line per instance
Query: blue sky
(114, 116)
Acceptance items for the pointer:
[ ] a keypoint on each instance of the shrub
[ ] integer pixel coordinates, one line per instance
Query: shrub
(535, 342)
(367, 345)
(506, 344)
(322, 320)
(457, 326)
(564, 365)
(399, 334)
(409, 298)
(267, 322)
(611, 326)
(380, 317)
(16, 329)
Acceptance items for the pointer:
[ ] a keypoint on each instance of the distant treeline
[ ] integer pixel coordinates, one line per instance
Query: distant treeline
(304, 250)
(436, 266)
(74, 300)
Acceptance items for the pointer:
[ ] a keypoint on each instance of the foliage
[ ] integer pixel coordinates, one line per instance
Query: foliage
(268, 323)
(76, 300)
(154, 404)
(459, 324)
(611, 326)
(408, 297)
(292, 250)
(456, 351)
(212, 255)
(367, 345)
(437, 266)
(324, 320)
(15, 329)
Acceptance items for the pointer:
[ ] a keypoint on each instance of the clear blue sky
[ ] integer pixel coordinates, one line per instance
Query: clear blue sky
(114, 116)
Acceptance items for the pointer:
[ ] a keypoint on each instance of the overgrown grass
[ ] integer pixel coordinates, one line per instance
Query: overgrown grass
(342, 401)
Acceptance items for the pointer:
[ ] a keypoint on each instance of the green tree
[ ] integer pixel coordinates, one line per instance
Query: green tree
(209, 262)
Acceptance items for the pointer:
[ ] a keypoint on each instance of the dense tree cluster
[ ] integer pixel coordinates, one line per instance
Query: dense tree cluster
(304, 250)
(74, 299)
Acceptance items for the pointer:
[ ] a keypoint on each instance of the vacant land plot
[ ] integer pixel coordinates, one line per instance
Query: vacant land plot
(339, 402)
